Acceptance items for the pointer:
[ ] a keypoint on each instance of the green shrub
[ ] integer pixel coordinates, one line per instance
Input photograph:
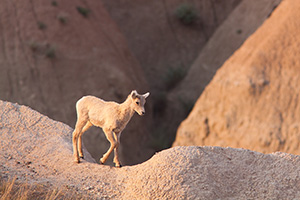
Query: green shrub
(62, 19)
(50, 52)
(84, 11)
(173, 77)
(42, 49)
(41, 25)
(34, 46)
(54, 3)
(186, 13)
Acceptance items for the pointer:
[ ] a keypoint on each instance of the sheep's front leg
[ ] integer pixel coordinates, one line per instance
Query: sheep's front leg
(76, 134)
(75, 152)
(85, 128)
(110, 137)
(116, 157)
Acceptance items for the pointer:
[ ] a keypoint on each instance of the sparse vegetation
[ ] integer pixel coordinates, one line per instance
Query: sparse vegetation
(50, 51)
(62, 19)
(84, 11)
(41, 25)
(239, 31)
(43, 49)
(173, 76)
(34, 46)
(54, 3)
(11, 189)
(186, 13)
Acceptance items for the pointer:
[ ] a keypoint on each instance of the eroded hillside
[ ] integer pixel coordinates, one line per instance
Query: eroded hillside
(159, 38)
(52, 53)
(252, 102)
(36, 149)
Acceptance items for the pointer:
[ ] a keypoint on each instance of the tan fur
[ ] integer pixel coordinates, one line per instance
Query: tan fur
(110, 116)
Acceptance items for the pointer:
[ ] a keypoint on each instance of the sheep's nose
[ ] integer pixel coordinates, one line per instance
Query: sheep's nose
(143, 112)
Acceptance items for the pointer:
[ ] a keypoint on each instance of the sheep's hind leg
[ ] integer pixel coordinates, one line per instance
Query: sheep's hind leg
(113, 143)
(116, 157)
(85, 128)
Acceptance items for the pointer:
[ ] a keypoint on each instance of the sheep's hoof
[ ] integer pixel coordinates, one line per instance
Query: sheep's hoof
(77, 161)
(82, 157)
(118, 166)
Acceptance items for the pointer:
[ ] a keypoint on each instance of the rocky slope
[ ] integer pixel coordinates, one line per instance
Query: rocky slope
(229, 36)
(157, 37)
(52, 53)
(236, 28)
(36, 149)
(252, 102)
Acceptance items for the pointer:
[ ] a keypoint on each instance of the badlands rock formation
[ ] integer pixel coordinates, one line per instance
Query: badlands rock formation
(36, 149)
(52, 53)
(253, 100)
(227, 38)
(158, 39)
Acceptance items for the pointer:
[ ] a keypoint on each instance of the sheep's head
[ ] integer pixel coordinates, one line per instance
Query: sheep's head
(139, 101)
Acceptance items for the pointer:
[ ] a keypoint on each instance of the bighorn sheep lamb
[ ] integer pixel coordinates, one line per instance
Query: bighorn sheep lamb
(110, 116)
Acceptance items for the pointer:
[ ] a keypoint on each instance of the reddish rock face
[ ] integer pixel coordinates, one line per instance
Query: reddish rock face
(227, 38)
(159, 39)
(243, 21)
(253, 100)
(52, 53)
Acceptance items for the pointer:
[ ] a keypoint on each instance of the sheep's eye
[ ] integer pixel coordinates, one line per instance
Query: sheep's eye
(138, 103)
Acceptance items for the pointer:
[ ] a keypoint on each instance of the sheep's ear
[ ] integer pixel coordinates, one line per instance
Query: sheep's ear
(134, 94)
(146, 95)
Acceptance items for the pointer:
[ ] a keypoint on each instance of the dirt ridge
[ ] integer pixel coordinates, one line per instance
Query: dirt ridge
(37, 149)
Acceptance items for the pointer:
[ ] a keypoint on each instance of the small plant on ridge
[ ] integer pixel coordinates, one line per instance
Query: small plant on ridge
(173, 76)
(186, 13)
(41, 25)
(84, 11)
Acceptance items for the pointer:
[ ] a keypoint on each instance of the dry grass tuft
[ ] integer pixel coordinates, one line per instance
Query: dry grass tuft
(22, 191)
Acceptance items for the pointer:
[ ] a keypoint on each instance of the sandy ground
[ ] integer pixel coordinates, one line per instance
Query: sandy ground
(37, 149)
